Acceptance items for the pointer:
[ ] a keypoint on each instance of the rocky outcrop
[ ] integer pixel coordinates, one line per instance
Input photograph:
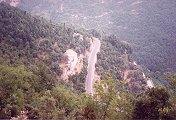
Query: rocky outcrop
(135, 77)
(68, 66)
(72, 59)
(73, 62)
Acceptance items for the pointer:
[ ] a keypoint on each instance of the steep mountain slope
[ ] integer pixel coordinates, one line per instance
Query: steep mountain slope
(149, 26)
(43, 67)
(26, 39)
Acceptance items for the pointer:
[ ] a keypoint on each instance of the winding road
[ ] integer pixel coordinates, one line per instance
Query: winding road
(91, 66)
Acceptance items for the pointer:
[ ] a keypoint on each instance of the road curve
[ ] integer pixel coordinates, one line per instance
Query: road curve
(91, 66)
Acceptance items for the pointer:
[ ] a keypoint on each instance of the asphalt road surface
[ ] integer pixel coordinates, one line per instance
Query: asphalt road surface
(91, 66)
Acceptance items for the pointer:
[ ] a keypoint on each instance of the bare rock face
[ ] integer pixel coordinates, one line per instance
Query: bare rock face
(137, 80)
(70, 63)
(135, 77)
(73, 62)
(72, 58)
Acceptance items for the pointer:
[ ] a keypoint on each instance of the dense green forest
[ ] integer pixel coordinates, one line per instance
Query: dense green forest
(149, 26)
(24, 39)
(28, 84)
(39, 96)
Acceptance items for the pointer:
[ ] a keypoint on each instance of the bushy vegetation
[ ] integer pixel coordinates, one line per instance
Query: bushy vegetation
(78, 80)
(154, 104)
(112, 56)
(21, 90)
(29, 66)
(25, 90)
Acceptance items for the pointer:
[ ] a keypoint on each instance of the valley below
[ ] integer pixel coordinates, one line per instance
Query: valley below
(148, 26)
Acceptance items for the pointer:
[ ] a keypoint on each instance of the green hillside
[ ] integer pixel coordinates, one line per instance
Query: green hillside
(25, 38)
(149, 26)
(31, 49)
